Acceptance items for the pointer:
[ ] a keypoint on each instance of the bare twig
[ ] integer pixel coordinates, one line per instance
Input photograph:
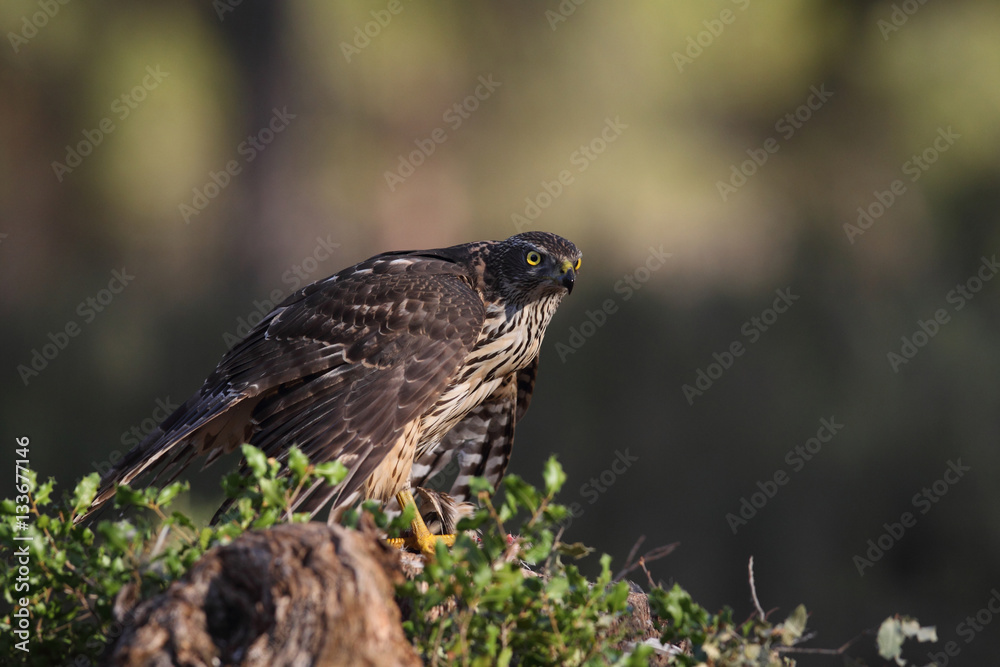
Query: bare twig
(753, 592)
(159, 541)
(796, 649)
(552, 554)
(825, 651)
(634, 550)
(648, 557)
(649, 577)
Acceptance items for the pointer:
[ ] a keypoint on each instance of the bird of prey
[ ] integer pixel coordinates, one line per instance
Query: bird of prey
(394, 366)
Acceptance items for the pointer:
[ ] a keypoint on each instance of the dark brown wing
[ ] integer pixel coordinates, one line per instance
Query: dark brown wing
(480, 445)
(339, 368)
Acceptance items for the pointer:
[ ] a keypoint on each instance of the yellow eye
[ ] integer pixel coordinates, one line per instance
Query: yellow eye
(533, 258)
(579, 261)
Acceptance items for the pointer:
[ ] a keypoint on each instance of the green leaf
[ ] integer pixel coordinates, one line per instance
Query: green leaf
(555, 513)
(43, 494)
(403, 520)
(479, 485)
(332, 472)
(119, 534)
(677, 605)
(167, 495)
(126, 496)
(604, 578)
(85, 492)
(617, 596)
(890, 640)
(895, 630)
(273, 492)
(474, 521)
(575, 550)
(554, 476)
(32, 478)
(179, 519)
(794, 626)
(557, 587)
(205, 538)
(539, 549)
(298, 463)
(234, 484)
(267, 518)
(256, 460)
(520, 494)
(912, 629)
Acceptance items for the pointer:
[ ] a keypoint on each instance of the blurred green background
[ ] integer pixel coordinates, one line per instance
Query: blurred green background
(219, 155)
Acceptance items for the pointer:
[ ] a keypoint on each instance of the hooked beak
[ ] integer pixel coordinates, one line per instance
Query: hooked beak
(566, 275)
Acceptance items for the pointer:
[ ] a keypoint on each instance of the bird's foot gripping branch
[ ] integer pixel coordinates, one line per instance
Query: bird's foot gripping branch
(100, 594)
(421, 540)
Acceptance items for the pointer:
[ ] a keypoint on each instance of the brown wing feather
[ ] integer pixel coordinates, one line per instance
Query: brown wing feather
(338, 368)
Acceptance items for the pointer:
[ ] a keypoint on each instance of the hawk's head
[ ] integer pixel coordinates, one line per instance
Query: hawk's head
(534, 265)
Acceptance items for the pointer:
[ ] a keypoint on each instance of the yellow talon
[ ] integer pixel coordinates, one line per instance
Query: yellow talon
(422, 539)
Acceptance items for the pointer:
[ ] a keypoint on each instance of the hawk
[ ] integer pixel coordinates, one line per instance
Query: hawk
(395, 366)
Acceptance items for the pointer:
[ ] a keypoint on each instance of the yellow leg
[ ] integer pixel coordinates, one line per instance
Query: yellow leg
(422, 539)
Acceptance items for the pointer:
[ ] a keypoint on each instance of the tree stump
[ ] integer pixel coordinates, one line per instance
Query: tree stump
(298, 594)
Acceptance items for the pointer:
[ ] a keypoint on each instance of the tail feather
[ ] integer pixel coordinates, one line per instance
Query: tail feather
(191, 430)
(141, 458)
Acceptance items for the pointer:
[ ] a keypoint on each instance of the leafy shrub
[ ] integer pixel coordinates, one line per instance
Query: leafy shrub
(72, 573)
(492, 599)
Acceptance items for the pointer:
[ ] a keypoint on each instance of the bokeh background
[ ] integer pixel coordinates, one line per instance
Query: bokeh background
(119, 119)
